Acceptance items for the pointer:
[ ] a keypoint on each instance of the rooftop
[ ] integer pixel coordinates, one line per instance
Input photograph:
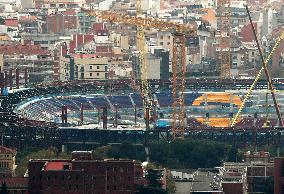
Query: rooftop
(56, 165)
(5, 150)
(23, 50)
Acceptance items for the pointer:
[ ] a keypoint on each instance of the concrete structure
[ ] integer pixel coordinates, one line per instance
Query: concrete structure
(153, 67)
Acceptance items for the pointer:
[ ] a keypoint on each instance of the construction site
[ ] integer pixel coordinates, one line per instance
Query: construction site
(239, 110)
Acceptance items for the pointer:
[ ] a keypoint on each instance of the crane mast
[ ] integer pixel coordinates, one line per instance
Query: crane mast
(224, 10)
(179, 69)
(145, 90)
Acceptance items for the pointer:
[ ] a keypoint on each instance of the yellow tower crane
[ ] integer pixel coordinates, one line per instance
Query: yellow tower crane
(178, 63)
(143, 70)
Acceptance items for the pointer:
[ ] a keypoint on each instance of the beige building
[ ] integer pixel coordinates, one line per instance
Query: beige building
(91, 68)
(7, 161)
(64, 68)
(63, 3)
(119, 40)
(165, 40)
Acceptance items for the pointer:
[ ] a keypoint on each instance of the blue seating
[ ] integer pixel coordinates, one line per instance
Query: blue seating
(165, 99)
(122, 101)
(190, 97)
(137, 99)
(99, 101)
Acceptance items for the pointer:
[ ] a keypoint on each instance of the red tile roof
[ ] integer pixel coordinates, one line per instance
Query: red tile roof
(11, 22)
(5, 150)
(23, 50)
(28, 18)
(84, 56)
(70, 12)
(56, 165)
(80, 40)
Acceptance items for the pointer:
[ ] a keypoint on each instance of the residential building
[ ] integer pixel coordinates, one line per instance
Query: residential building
(62, 23)
(153, 67)
(38, 61)
(46, 41)
(82, 175)
(67, 4)
(7, 162)
(18, 185)
(27, 4)
(85, 22)
(278, 175)
(91, 68)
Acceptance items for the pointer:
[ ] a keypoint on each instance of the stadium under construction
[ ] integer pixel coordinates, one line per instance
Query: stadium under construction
(100, 113)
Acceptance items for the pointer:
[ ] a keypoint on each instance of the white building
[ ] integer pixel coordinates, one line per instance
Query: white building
(27, 4)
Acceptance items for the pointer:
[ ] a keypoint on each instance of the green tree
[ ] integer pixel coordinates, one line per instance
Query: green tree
(2, 21)
(171, 188)
(50, 153)
(101, 152)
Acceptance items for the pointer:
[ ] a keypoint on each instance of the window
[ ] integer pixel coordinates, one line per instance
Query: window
(169, 37)
(161, 37)
(161, 43)
(98, 67)
(91, 67)
(98, 74)
(91, 74)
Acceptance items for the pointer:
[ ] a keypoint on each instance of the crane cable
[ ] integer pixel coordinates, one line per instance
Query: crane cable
(280, 38)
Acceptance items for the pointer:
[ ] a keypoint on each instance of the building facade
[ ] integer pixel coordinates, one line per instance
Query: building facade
(82, 175)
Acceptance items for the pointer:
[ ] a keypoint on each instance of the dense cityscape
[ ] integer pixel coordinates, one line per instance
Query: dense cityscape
(141, 96)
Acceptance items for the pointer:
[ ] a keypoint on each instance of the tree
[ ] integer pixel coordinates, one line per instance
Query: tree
(2, 21)
(4, 189)
(151, 190)
(101, 152)
(171, 187)
(50, 153)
